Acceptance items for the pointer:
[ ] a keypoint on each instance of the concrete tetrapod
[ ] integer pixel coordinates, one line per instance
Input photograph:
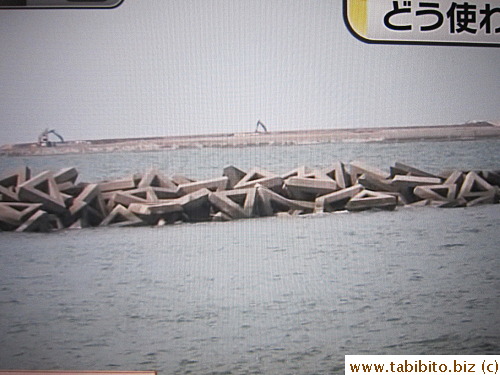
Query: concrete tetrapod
(367, 199)
(270, 202)
(13, 214)
(359, 168)
(403, 169)
(66, 175)
(337, 200)
(121, 217)
(38, 222)
(215, 184)
(260, 176)
(235, 204)
(43, 189)
(89, 206)
(444, 192)
(151, 214)
(302, 188)
(51, 201)
(475, 190)
(154, 178)
(233, 174)
(10, 182)
(116, 185)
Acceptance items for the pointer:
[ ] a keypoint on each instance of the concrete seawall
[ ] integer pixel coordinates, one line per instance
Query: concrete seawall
(54, 200)
(478, 130)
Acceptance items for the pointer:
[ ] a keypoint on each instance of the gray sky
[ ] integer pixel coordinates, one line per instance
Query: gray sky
(176, 67)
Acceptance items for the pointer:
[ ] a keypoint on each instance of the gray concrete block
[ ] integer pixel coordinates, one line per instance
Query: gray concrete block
(455, 178)
(68, 199)
(233, 174)
(401, 199)
(121, 217)
(180, 179)
(123, 184)
(227, 206)
(79, 224)
(53, 201)
(8, 194)
(92, 195)
(249, 207)
(412, 181)
(403, 169)
(491, 177)
(473, 183)
(56, 222)
(441, 192)
(10, 181)
(152, 214)
(476, 198)
(154, 178)
(337, 200)
(109, 200)
(90, 205)
(77, 208)
(358, 168)
(272, 183)
(215, 184)
(196, 205)
(43, 189)
(166, 193)
(38, 222)
(69, 188)
(255, 175)
(238, 203)
(372, 182)
(301, 171)
(13, 214)
(157, 209)
(309, 188)
(367, 199)
(270, 203)
(15, 177)
(338, 173)
(66, 175)
(140, 195)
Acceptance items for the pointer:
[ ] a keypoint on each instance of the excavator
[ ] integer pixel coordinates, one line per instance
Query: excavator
(260, 125)
(43, 138)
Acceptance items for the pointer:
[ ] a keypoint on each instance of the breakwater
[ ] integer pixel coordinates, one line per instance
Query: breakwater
(470, 131)
(53, 200)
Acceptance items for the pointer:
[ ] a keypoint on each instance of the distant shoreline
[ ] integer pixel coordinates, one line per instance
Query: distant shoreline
(472, 131)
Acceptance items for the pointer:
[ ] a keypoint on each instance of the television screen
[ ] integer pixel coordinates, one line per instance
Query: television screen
(247, 186)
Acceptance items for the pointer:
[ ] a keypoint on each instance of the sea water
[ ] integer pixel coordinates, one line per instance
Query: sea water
(266, 296)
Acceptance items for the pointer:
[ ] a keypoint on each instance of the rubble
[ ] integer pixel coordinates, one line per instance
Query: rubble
(54, 200)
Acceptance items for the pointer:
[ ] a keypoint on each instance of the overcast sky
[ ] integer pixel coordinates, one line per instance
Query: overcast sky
(171, 67)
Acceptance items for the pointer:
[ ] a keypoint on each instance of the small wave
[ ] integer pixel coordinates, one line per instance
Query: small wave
(451, 344)
(451, 245)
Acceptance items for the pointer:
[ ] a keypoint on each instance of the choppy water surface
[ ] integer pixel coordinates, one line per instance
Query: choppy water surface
(270, 296)
(208, 163)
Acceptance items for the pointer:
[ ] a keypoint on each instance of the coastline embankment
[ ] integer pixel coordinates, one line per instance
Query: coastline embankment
(472, 131)
(54, 200)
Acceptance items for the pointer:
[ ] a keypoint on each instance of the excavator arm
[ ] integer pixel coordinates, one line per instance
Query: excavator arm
(43, 138)
(57, 135)
(260, 124)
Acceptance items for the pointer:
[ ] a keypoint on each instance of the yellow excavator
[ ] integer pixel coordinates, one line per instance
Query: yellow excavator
(43, 138)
